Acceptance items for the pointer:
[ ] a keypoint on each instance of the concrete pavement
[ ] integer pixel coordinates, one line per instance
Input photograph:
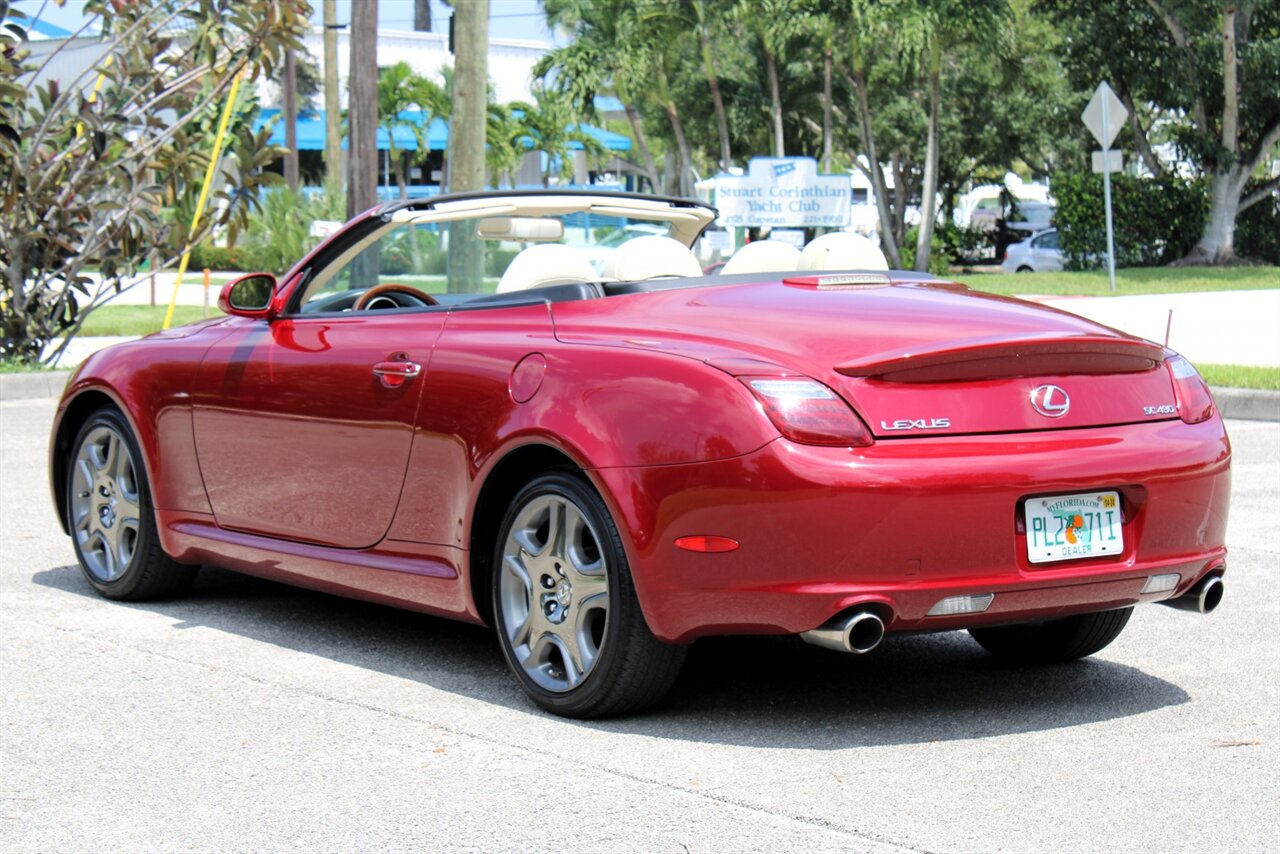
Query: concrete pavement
(250, 716)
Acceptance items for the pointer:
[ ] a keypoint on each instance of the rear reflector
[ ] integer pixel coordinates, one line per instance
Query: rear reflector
(962, 605)
(706, 544)
(1161, 583)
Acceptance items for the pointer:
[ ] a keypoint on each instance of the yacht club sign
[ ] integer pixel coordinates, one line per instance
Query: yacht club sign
(783, 192)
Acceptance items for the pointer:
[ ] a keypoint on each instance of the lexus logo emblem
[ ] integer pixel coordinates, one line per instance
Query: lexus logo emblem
(1050, 401)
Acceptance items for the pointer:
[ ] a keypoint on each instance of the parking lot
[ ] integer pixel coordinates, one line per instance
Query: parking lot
(253, 716)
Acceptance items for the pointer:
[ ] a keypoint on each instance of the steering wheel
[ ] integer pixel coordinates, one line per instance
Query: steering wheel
(373, 293)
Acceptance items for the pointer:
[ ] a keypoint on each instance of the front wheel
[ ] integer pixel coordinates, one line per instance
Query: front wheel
(111, 518)
(566, 611)
(1054, 641)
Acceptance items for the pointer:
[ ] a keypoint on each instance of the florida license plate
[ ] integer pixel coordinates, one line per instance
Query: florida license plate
(1067, 527)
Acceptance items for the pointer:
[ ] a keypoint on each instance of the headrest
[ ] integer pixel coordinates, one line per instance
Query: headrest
(763, 256)
(546, 264)
(842, 250)
(651, 257)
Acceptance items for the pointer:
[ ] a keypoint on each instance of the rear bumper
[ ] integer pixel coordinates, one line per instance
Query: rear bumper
(906, 523)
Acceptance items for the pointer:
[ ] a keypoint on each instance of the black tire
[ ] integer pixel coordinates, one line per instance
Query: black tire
(1025, 269)
(147, 572)
(1054, 641)
(630, 669)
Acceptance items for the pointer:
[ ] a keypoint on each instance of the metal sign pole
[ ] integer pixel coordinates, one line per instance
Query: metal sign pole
(1106, 189)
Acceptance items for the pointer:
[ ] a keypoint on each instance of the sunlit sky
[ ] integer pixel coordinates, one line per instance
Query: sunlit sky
(512, 19)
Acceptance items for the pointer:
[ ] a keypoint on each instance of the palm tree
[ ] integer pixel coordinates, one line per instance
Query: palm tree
(927, 28)
(508, 140)
(604, 56)
(772, 22)
(552, 125)
(400, 91)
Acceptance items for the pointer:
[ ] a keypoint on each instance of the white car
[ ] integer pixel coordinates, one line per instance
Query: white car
(1037, 254)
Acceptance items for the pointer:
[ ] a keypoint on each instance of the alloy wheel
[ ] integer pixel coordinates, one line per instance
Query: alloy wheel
(105, 503)
(554, 592)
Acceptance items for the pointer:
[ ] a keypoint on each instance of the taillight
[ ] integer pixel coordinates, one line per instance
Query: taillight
(808, 412)
(1195, 403)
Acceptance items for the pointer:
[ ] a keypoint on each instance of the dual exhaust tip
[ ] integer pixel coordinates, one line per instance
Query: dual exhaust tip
(858, 632)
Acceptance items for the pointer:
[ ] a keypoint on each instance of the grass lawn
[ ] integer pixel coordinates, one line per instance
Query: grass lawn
(14, 367)
(139, 319)
(1241, 376)
(1138, 280)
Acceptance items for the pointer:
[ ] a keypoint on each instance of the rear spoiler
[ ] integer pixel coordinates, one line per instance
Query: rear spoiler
(1001, 358)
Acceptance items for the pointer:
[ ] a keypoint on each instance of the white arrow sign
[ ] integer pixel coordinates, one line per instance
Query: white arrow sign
(1104, 115)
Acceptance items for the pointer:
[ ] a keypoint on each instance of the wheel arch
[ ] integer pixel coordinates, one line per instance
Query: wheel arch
(504, 479)
(72, 417)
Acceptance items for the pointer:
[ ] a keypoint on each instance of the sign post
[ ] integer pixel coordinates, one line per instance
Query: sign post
(1103, 117)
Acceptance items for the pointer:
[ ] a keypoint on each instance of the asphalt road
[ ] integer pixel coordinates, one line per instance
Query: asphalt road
(252, 716)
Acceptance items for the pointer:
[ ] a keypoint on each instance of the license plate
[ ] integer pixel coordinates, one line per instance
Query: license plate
(1068, 527)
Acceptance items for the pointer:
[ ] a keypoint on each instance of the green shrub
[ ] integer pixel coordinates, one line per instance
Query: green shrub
(1258, 231)
(1157, 220)
(964, 243)
(939, 261)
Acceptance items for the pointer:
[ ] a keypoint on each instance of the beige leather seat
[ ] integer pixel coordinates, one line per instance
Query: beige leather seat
(842, 250)
(651, 257)
(546, 264)
(763, 256)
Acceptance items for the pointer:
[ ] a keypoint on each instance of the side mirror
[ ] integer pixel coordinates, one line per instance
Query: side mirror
(248, 296)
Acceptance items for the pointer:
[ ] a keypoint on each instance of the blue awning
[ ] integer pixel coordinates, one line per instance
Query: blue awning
(311, 132)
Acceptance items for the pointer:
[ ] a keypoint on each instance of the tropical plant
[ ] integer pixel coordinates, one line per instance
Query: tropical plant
(603, 56)
(553, 127)
(507, 141)
(408, 100)
(86, 169)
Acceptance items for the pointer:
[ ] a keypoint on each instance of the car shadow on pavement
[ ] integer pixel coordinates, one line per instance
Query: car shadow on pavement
(758, 691)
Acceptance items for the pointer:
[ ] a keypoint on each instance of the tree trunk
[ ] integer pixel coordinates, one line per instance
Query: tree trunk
(362, 151)
(775, 100)
(878, 185)
(928, 196)
(467, 134)
(1217, 243)
(685, 157)
(422, 16)
(291, 120)
(332, 109)
(826, 108)
(722, 121)
(650, 166)
(397, 168)
(901, 169)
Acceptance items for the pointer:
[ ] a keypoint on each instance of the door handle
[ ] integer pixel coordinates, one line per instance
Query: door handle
(396, 374)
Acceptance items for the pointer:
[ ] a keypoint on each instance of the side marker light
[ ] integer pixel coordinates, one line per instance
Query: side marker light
(706, 544)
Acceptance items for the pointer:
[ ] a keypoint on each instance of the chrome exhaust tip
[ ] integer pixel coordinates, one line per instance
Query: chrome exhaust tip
(858, 632)
(1201, 599)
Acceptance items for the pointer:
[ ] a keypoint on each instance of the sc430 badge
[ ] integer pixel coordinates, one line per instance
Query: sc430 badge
(1166, 409)
(917, 424)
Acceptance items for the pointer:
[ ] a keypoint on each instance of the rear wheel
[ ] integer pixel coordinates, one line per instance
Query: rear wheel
(111, 518)
(566, 611)
(1025, 269)
(1054, 641)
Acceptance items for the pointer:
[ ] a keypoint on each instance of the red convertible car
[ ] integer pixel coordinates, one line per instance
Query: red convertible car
(487, 407)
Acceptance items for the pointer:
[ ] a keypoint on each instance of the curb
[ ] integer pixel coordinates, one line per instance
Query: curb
(1247, 403)
(32, 385)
